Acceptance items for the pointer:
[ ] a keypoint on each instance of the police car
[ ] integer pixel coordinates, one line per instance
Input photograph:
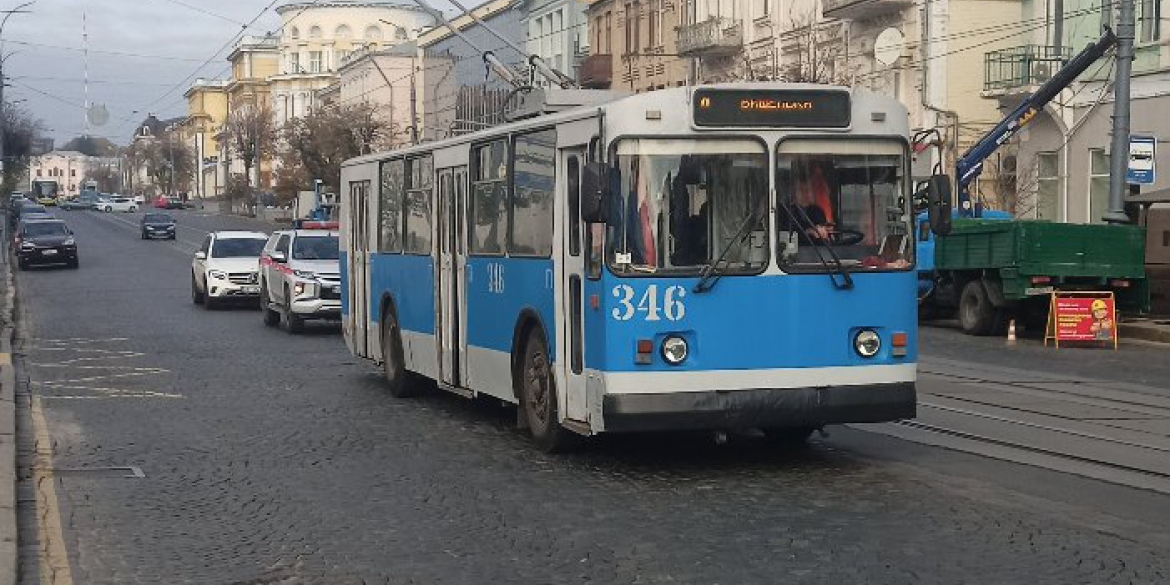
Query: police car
(300, 276)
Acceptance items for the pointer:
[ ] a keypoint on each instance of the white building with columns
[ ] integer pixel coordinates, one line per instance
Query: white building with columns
(317, 37)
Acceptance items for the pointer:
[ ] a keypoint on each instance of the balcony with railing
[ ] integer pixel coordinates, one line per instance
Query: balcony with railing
(713, 37)
(863, 9)
(596, 72)
(1017, 70)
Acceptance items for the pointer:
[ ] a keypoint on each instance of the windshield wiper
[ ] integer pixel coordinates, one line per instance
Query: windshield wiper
(711, 274)
(846, 281)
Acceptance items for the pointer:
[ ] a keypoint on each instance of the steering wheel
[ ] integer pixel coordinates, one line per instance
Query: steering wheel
(845, 237)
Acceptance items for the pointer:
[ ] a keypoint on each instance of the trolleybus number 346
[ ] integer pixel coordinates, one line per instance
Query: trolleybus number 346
(671, 305)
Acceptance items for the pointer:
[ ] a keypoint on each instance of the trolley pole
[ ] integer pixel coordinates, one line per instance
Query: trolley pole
(1119, 153)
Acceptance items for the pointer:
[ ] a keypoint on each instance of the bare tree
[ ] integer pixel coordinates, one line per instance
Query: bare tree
(326, 137)
(20, 131)
(105, 174)
(249, 132)
(814, 51)
(169, 161)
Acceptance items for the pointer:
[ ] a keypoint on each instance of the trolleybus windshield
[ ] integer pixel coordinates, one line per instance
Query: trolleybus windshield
(680, 203)
(846, 194)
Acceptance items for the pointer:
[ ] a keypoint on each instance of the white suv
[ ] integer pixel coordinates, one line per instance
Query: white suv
(227, 267)
(300, 277)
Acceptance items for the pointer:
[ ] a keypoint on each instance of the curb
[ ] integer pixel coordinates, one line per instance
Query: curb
(8, 535)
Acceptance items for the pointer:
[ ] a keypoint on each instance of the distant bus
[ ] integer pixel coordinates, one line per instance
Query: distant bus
(45, 189)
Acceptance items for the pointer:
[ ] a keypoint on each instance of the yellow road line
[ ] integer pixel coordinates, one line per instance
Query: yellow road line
(55, 569)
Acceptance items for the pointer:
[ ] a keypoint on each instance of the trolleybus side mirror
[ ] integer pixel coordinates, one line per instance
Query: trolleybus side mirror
(595, 193)
(938, 194)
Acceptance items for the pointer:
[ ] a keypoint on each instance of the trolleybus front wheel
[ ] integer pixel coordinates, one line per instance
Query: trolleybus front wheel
(538, 397)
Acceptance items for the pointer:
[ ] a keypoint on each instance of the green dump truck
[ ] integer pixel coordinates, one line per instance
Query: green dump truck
(995, 270)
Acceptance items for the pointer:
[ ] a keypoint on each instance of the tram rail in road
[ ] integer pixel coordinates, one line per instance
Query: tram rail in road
(1119, 433)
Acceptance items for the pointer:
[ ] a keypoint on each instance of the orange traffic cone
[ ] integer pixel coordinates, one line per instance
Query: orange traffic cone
(1011, 330)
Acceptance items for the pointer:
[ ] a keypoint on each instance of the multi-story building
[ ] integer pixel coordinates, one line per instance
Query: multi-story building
(316, 38)
(634, 45)
(254, 61)
(68, 167)
(557, 33)
(207, 110)
(476, 98)
(1062, 157)
(395, 81)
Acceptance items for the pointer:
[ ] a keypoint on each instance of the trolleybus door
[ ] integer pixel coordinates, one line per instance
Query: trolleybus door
(359, 289)
(449, 303)
(571, 318)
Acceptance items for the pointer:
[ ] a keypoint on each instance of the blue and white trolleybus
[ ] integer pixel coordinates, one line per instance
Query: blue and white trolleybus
(714, 257)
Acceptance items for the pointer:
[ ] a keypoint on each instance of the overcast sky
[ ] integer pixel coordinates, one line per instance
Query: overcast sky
(143, 56)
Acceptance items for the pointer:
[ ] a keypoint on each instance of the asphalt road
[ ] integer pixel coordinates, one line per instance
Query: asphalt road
(268, 458)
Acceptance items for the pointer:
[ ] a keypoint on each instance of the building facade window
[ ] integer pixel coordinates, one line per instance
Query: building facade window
(295, 33)
(654, 21)
(342, 32)
(1149, 16)
(315, 32)
(294, 62)
(1098, 184)
(373, 33)
(314, 61)
(1048, 186)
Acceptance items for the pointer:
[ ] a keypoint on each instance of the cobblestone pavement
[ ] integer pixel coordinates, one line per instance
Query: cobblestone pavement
(270, 458)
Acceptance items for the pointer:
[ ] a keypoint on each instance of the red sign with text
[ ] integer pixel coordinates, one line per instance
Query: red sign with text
(1084, 318)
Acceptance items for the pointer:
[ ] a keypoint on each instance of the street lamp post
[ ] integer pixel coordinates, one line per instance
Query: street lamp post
(7, 13)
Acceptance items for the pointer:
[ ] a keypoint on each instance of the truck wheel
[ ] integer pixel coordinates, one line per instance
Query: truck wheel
(398, 381)
(976, 315)
(538, 397)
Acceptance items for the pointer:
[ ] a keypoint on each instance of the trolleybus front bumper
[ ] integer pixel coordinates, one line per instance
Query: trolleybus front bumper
(760, 407)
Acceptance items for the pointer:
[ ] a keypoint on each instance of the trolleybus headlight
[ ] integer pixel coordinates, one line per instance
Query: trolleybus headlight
(674, 350)
(867, 343)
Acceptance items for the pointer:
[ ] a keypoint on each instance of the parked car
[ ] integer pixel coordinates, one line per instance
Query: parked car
(87, 200)
(45, 241)
(300, 277)
(227, 266)
(121, 204)
(140, 199)
(158, 225)
(33, 211)
(164, 202)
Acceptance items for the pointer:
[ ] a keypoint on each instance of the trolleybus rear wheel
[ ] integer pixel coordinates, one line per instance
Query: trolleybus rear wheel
(788, 435)
(538, 397)
(393, 364)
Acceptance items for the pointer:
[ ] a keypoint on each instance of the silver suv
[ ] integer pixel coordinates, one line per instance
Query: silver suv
(300, 277)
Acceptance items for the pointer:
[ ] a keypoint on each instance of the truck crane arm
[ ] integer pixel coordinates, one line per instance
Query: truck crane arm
(970, 165)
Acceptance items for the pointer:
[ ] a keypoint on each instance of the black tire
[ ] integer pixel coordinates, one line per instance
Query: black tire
(271, 318)
(293, 322)
(788, 436)
(398, 380)
(196, 296)
(172, 237)
(144, 236)
(75, 263)
(209, 302)
(22, 265)
(133, 209)
(538, 397)
(976, 314)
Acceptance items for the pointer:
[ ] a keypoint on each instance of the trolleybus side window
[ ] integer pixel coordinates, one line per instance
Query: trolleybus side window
(594, 232)
(845, 194)
(574, 171)
(534, 175)
(419, 188)
(682, 205)
(390, 204)
(489, 198)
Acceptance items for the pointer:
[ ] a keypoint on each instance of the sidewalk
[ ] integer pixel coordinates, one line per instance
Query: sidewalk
(8, 537)
(1155, 329)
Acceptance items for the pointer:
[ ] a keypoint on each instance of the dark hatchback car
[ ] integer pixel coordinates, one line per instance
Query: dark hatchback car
(45, 241)
(158, 225)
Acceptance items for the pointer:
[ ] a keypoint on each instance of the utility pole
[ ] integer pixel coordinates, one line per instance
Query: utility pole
(1119, 153)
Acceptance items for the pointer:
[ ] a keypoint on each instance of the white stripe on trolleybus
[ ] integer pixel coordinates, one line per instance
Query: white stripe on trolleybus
(698, 381)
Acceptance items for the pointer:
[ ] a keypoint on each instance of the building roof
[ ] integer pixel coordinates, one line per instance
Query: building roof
(485, 11)
(348, 4)
(152, 126)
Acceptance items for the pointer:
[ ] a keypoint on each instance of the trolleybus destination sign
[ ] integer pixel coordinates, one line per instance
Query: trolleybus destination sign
(776, 108)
